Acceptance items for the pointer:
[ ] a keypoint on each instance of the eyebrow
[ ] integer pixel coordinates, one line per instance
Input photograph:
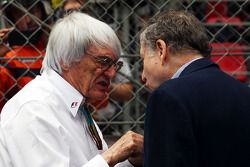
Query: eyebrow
(106, 57)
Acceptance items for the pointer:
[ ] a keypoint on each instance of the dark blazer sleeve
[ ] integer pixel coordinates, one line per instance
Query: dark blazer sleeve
(169, 139)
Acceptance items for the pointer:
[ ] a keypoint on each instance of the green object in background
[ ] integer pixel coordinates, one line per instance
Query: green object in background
(56, 3)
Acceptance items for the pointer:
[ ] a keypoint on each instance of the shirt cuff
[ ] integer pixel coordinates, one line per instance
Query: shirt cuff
(124, 164)
(97, 161)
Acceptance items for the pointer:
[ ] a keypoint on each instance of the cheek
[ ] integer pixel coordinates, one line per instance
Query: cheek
(91, 73)
(148, 68)
(93, 83)
(21, 25)
(94, 75)
(152, 73)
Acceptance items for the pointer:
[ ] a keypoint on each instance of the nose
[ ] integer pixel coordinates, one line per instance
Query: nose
(27, 19)
(24, 22)
(31, 21)
(110, 72)
(143, 77)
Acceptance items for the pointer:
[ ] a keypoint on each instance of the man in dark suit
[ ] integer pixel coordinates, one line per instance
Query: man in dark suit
(196, 116)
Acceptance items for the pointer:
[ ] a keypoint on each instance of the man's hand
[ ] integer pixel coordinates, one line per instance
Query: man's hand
(3, 39)
(129, 146)
(4, 33)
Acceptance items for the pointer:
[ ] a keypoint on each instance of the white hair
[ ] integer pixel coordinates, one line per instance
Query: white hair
(71, 37)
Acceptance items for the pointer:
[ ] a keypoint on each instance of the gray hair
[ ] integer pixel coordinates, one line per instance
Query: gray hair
(71, 37)
(181, 30)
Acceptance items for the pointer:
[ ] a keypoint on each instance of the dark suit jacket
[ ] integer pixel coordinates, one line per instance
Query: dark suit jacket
(201, 119)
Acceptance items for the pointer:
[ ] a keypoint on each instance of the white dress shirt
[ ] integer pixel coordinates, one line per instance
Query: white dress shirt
(182, 68)
(41, 127)
(4, 156)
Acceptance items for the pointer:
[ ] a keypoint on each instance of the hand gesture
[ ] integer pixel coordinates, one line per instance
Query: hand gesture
(129, 146)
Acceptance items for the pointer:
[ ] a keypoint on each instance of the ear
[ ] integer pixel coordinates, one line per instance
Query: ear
(64, 67)
(162, 50)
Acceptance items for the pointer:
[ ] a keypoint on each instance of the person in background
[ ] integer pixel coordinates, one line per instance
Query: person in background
(70, 5)
(7, 81)
(64, 7)
(4, 48)
(197, 115)
(7, 85)
(27, 38)
(48, 122)
(23, 45)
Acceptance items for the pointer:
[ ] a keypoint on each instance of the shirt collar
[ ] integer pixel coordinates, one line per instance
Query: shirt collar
(70, 96)
(179, 71)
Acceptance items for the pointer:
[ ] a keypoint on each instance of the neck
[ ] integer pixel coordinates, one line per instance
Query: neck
(177, 61)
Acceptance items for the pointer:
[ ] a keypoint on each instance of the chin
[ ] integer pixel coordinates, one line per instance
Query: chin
(150, 87)
(98, 95)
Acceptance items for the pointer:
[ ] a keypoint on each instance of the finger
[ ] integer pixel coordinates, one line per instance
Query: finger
(5, 31)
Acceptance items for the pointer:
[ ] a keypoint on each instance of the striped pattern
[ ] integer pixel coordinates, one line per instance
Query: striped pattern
(86, 109)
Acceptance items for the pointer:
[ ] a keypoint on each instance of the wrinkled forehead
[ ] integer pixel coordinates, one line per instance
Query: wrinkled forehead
(102, 51)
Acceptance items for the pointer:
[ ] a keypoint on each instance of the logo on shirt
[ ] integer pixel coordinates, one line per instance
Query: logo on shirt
(74, 104)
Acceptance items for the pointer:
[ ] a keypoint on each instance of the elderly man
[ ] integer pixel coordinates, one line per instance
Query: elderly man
(197, 116)
(48, 122)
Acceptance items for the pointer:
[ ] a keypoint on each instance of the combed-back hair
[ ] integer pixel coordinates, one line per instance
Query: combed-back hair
(181, 30)
(71, 37)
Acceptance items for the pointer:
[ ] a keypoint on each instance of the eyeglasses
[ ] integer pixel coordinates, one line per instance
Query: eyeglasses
(106, 62)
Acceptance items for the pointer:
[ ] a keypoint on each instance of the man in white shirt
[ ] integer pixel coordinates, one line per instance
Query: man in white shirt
(45, 123)
(4, 157)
